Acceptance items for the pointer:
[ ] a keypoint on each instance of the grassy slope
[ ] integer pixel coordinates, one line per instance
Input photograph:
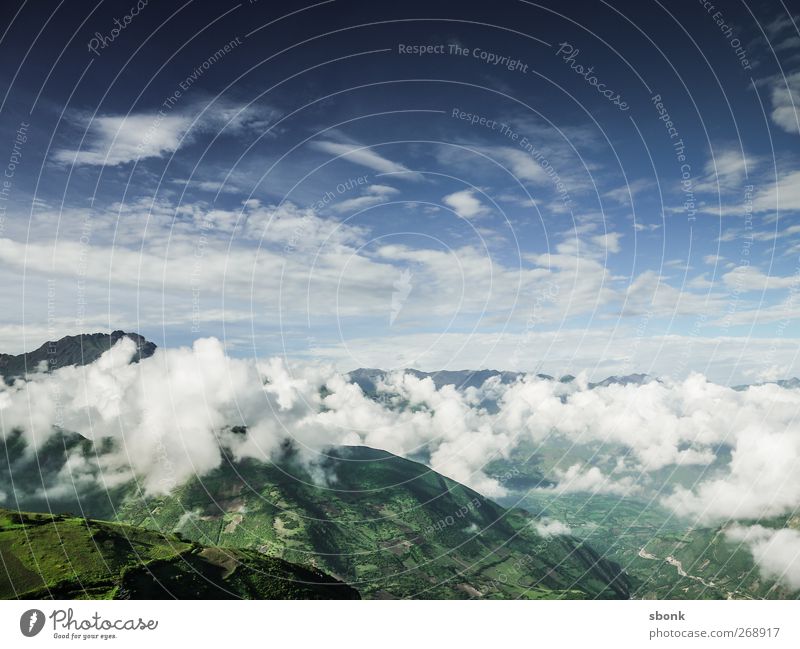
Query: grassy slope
(60, 557)
(389, 526)
(656, 549)
(630, 530)
(374, 529)
(715, 566)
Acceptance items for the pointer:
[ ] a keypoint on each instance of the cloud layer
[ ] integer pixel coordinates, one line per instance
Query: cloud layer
(171, 413)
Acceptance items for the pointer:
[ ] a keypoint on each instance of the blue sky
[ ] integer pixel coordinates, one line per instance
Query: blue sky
(604, 187)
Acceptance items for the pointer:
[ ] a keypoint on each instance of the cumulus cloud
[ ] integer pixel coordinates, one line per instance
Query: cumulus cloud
(581, 479)
(674, 423)
(548, 527)
(465, 204)
(785, 95)
(750, 278)
(775, 551)
(761, 478)
(171, 414)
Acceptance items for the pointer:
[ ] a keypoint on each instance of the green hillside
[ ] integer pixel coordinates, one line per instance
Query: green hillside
(45, 556)
(663, 556)
(389, 526)
(703, 563)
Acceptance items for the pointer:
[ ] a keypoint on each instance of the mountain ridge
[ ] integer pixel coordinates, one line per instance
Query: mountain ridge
(78, 350)
(388, 526)
(83, 349)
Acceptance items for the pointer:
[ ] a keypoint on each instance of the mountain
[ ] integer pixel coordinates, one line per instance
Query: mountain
(790, 384)
(629, 379)
(48, 556)
(388, 526)
(664, 555)
(368, 378)
(70, 350)
(87, 348)
(704, 563)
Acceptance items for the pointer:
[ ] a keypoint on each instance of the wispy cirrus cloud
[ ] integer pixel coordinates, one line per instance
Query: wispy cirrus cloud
(373, 195)
(365, 156)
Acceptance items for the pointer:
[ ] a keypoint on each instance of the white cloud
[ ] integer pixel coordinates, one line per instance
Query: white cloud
(465, 204)
(114, 140)
(272, 253)
(601, 351)
(170, 412)
(548, 527)
(364, 156)
(780, 23)
(646, 227)
(725, 170)
(785, 96)
(776, 552)
(580, 479)
(782, 195)
(775, 196)
(761, 479)
(651, 293)
(750, 278)
(214, 186)
(119, 139)
(521, 164)
(623, 194)
(771, 373)
(789, 43)
(373, 195)
(608, 242)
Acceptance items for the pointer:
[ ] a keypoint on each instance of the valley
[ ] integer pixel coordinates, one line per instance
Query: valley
(385, 525)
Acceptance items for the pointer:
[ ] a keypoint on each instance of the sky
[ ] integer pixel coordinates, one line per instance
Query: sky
(598, 187)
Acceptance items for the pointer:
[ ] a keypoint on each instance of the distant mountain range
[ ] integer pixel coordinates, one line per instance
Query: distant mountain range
(84, 349)
(368, 378)
(789, 384)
